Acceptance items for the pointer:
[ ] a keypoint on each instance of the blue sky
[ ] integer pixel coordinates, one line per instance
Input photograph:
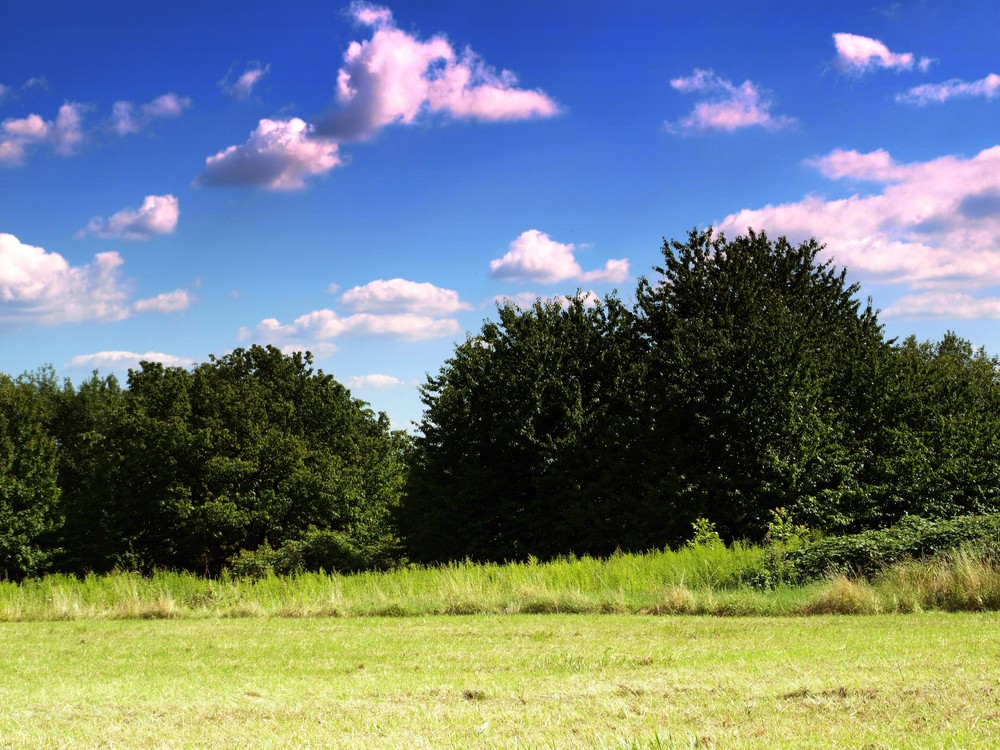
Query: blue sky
(365, 181)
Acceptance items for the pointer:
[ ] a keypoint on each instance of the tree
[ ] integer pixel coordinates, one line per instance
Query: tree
(530, 439)
(29, 491)
(939, 453)
(763, 369)
(197, 466)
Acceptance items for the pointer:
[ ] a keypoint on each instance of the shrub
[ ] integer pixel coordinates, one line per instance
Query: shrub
(869, 552)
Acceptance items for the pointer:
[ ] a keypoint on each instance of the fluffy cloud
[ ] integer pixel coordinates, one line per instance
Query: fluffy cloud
(943, 305)
(279, 155)
(375, 380)
(62, 135)
(727, 107)
(859, 54)
(117, 360)
(242, 85)
(37, 286)
(322, 326)
(933, 224)
(394, 77)
(403, 295)
(126, 118)
(157, 215)
(938, 93)
(534, 256)
(167, 302)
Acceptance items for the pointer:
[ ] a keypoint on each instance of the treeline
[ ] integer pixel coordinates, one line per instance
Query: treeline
(186, 469)
(747, 377)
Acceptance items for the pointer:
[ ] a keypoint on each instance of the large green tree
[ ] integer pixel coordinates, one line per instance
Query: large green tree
(187, 468)
(764, 369)
(530, 440)
(29, 490)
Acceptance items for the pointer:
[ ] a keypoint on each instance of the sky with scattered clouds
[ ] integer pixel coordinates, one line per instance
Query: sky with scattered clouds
(368, 181)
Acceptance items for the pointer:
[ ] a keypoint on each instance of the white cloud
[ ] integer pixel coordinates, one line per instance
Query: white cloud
(943, 305)
(876, 166)
(394, 77)
(938, 93)
(934, 224)
(118, 360)
(319, 328)
(242, 86)
(62, 135)
(5, 91)
(374, 380)
(727, 107)
(157, 216)
(126, 119)
(37, 286)
(534, 256)
(279, 155)
(167, 302)
(399, 294)
(859, 54)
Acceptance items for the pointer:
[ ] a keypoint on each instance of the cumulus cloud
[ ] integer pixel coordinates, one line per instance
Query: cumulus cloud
(18, 136)
(394, 77)
(157, 216)
(37, 286)
(933, 225)
(374, 380)
(241, 86)
(320, 327)
(938, 93)
(118, 360)
(943, 305)
(402, 295)
(126, 118)
(168, 302)
(858, 54)
(726, 107)
(279, 155)
(534, 256)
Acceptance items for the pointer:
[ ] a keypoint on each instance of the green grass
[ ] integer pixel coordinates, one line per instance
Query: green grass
(553, 681)
(700, 580)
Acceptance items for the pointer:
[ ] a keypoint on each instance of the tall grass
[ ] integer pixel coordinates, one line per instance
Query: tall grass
(695, 580)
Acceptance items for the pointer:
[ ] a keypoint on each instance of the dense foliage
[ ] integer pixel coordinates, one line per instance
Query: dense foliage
(189, 469)
(748, 393)
(748, 378)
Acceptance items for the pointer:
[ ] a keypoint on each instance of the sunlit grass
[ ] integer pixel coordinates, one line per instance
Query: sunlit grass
(483, 681)
(694, 580)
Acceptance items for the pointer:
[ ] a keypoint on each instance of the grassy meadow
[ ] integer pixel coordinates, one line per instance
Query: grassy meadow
(485, 681)
(563, 654)
(706, 580)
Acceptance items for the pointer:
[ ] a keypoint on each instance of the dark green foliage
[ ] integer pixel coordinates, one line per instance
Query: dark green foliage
(760, 378)
(938, 452)
(185, 469)
(29, 490)
(316, 549)
(868, 552)
(532, 442)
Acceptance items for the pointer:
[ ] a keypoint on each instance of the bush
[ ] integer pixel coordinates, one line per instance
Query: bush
(315, 550)
(868, 553)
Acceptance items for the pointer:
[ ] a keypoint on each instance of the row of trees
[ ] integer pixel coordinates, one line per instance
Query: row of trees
(188, 468)
(746, 377)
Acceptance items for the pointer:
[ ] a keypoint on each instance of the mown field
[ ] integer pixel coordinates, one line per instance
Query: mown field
(485, 681)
